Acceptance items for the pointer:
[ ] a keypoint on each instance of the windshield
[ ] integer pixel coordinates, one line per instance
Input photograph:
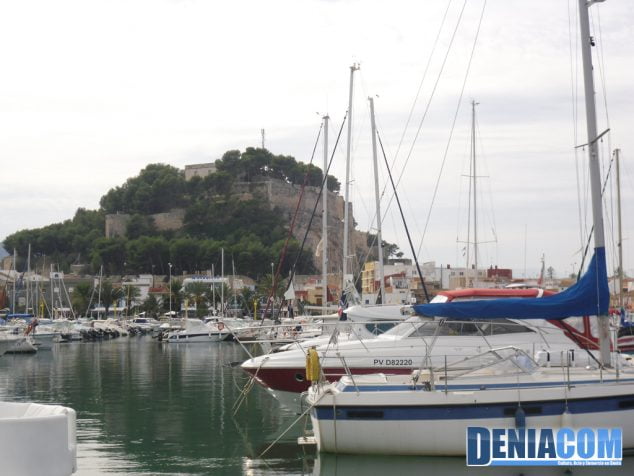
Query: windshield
(418, 326)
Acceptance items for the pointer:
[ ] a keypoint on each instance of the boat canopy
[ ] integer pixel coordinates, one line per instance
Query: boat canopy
(19, 316)
(590, 296)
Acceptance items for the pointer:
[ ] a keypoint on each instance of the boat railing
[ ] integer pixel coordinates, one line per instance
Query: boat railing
(519, 358)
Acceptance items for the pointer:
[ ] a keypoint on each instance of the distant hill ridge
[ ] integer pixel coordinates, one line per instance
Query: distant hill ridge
(242, 203)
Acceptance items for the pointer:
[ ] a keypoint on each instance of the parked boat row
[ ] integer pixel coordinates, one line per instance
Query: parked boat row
(524, 364)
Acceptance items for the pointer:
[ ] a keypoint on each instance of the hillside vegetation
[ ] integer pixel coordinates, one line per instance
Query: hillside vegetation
(250, 232)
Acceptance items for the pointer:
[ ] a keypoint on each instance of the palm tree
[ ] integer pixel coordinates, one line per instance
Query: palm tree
(150, 305)
(110, 295)
(81, 297)
(131, 293)
(197, 292)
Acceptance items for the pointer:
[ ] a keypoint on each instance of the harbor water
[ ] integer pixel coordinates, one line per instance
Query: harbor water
(169, 409)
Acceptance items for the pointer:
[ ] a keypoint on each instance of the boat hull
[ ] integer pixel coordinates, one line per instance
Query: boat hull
(37, 439)
(433, 423)
(44, 341)
(22, 346)
(194, 338)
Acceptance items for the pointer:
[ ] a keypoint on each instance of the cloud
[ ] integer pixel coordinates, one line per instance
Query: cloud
(94, 91)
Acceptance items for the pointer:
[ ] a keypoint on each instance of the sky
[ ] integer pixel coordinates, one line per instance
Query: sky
(93, 91)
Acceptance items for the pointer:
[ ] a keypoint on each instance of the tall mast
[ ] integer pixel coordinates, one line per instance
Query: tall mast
(475, 195)
(595, 180)
(28, 279)
(51, 281)
(346, 198)
(99, 292)
(377, 197)
(617, 153)
(15, 275)
(222, 281)
(213, 286)
(324, 224)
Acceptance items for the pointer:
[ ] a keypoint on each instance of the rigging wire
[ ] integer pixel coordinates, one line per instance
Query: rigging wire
(317, 201)
(422, 81)
(453, 125)
(409, 238)
(574, 93)
(413, 107)
(274, 278)
(431, 97)
(602, 75)
(589, 239)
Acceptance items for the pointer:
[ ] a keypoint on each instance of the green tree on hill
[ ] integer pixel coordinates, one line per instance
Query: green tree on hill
(248, 230)
(157, 188)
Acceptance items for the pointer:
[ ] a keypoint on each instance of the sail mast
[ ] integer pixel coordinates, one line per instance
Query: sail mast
(617, 154)
(587, 41)
(99, 293)
(475, 196)
(15, 278)
(324, 224)
(377, 197)
(346, 198)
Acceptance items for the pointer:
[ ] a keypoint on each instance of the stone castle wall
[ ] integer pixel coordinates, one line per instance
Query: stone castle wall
(116, 224)
(282, 196)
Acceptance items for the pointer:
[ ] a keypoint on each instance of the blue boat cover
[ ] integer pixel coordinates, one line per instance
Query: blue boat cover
(590, 296)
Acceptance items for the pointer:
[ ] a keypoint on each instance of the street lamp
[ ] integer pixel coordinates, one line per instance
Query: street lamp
(170, 287)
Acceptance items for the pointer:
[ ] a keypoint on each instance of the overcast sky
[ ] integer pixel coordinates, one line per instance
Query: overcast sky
(93, 91)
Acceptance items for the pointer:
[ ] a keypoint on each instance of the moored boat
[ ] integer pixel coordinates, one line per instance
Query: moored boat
(428, 413)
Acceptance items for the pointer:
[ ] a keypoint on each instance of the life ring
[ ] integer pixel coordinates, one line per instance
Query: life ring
(220, 326)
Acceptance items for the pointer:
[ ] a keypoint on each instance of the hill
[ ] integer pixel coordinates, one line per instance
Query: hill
(242, 204)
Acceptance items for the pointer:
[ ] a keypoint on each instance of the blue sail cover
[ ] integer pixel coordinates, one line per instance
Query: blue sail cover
(590, 296)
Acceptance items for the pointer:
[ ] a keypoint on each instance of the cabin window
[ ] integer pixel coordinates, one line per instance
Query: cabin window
(501, 326)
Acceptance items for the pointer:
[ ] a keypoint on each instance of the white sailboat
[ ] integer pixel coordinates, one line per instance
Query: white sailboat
(429, 411)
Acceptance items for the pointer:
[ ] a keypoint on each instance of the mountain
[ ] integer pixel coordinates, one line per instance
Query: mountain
(167, 217)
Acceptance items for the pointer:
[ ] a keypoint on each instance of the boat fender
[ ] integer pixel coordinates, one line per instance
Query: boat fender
(520, 417)
(312, 365)
(220, 326)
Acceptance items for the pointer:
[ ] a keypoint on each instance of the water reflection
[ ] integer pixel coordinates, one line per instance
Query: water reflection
(342, 465)
(150, 408)
(167, 409)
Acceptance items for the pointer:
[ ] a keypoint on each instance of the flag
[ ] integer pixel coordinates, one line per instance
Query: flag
(290, 292)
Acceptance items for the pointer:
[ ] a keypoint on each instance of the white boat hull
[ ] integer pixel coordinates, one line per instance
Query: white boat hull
(22, 346)
(44, 341)
(37, 440)
(435, 437)
(178, 338)
(378, 420)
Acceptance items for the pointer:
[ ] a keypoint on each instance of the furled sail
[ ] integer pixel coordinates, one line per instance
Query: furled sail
(590, 296)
